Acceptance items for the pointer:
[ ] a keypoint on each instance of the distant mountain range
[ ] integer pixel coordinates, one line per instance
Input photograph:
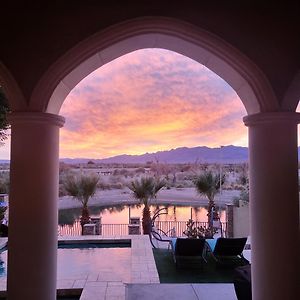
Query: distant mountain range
(226, 154)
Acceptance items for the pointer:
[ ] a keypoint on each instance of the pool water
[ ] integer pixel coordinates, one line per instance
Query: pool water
(68, 245)
(80, 261)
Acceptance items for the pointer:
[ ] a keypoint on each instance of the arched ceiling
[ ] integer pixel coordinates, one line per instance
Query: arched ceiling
(35, 36)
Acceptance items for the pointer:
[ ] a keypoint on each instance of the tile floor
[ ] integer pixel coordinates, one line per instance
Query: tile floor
(144, 280)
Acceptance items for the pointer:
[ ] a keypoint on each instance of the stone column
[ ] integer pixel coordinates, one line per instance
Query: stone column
(98, 226)
(274, 205)
(32, 249)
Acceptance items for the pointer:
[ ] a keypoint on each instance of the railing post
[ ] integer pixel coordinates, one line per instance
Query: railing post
(229, 219)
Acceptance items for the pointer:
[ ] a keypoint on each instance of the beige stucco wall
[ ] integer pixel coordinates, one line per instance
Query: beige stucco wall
(241, 220)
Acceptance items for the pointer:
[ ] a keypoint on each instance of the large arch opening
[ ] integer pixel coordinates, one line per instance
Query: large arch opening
(147, 101)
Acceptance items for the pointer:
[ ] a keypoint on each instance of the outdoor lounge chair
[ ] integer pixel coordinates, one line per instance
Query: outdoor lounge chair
(228, 252)
(158, 235)
(189, 253)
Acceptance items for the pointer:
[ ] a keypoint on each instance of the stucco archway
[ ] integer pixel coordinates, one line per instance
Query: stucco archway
(292, 95)
(234, 67)
(35, 139)
(11, 89)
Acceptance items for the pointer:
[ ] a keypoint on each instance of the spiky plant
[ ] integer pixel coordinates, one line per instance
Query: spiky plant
(4, 110)
(82, 187)
(208, 184)
(145, 189)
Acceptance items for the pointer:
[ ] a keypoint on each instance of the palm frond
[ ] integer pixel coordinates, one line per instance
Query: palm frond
(146, 188)
(159, 184)
(208, 184)
(81, 187)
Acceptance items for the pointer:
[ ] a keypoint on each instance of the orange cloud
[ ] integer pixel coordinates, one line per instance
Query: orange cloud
(150, 100)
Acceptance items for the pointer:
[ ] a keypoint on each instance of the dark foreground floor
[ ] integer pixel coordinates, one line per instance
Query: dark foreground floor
(208, 274)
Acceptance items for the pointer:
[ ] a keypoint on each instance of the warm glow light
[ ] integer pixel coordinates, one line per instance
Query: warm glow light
(150, 100)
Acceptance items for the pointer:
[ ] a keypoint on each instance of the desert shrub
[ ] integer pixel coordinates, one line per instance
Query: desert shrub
(180, 176)
(103, 185)
(62, 191)
(238, 187)
(123, 172)
(118, 185)
(116, 172)
(115, 179)
(236, 201)
(4, 183)
(243, 179)
(63, 167)
(140, 170)
(186, 168)
(120, 172)
(179, 186)
(243, 196)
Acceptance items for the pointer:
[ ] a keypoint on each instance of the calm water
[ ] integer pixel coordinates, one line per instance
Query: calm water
(79, 263)
(120, 214)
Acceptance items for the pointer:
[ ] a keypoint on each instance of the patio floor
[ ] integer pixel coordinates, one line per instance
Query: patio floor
(144, 282)
(180, 291)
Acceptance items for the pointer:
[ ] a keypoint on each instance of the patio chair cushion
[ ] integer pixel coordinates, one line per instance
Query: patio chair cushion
(228, 252)
(188, 253)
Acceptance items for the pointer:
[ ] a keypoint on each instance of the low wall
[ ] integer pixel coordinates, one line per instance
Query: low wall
(238, 219)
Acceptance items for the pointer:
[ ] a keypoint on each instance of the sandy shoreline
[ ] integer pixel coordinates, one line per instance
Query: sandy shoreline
(178, 196)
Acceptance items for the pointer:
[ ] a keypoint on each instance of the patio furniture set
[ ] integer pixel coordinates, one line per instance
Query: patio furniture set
(225, 252)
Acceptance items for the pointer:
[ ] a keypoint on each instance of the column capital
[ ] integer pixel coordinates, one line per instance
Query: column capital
(271, 118)
(36, 117)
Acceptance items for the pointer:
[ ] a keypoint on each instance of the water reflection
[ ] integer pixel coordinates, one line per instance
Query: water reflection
(110, 263)
(119, 214)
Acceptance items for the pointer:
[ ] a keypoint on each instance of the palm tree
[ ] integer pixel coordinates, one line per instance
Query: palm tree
(145, 189)
(82, 187)
(208, 184)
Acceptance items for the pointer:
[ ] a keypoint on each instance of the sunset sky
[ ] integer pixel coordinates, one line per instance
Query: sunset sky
(150, 100)
(146, 101)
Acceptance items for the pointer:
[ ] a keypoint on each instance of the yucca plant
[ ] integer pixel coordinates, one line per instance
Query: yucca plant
(82, 187)
(208, 184)
(145, 189)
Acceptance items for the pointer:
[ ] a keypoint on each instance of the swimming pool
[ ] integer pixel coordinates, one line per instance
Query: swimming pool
(101, 260)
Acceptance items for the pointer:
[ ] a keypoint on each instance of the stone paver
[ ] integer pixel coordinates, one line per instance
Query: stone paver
(106, 285)
(180, 292)
(160, 292)
(93, 292)
(79, 284)
(116, 291)
(95, 284)
(64, 284)
(215, 291)
(143, 282)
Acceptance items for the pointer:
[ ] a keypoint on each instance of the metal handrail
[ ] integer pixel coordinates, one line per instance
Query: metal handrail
(122, 229)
